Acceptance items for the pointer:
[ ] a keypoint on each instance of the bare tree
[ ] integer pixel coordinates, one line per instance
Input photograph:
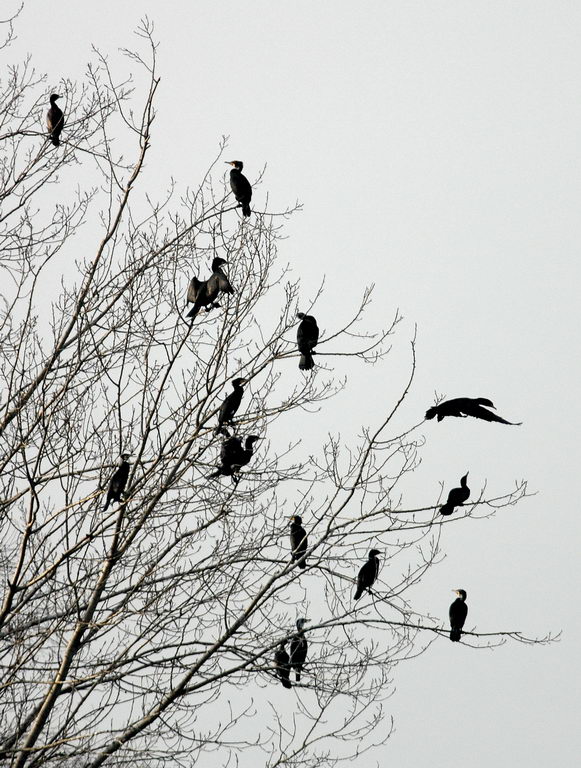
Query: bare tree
(146, 631)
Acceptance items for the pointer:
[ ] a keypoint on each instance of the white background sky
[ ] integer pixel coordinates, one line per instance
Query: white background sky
(435, 146)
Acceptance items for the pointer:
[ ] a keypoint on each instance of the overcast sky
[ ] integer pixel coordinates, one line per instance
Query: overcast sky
(435, 147)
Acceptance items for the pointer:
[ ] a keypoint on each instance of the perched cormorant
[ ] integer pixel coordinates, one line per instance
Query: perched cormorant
(456, 497)
(298, 649)
(55, 120)
(229, 407)
(458, 613)
(368, 573)
(233, 456)
(118, 481)
(298, 540)
(467, 406)
(240, 185)
(282, 664)
(203, 293)
(307, 338)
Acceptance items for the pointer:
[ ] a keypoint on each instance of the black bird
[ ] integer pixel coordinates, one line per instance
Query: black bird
(298, 540)
(456, 497)
(203, 293)
(118, 481)
(229, 407)
(282, 664)
(458, 613)
(55, 120)
(233, 456)
(368, 573)
(467, 406)
(307, 338)
(240, 186)
(298, 649)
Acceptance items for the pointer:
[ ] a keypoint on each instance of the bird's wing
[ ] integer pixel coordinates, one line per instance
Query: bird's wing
(483, 413)
(194, 288)
(224, 283)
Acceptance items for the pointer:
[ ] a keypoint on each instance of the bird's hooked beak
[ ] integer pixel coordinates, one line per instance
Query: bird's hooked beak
(230, 162)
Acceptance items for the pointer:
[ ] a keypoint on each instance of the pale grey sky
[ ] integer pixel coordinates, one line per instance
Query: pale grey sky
(435, 146)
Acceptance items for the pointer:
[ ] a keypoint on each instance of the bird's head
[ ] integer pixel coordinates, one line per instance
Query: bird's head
(126, 456)
(238, 164)
(374, 553)
(464, 479)
(240, 382)
(217, 262)
(460, 593)
(54, 97)
(251, 439)
(296, 519)
(301, 623)
(301, 315)
(431, 412)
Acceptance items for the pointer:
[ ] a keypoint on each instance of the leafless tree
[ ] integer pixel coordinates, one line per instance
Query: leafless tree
(144, 634)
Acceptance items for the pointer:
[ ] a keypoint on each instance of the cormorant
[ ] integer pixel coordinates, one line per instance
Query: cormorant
(298, 540)
(298, 649)
(55, 120)
(282, 664)
(203, 293)
(368, 573)
(240, 186)
(467, 406)
(458, 613)
(230, 406)
(233, 456)
(118, 481)
(307, 338)
(456, 497)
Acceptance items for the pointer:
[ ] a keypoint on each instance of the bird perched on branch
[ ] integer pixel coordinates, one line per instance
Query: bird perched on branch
(118, 482)
(456, 497)
(230, 406)
(282, 664)
(467, 406)
(298, 649)
(367, 574)
(307, 338)
(458, 613)
(240, 186)
(298, 540)
(233, 456)
(203, 293)
(55, 120)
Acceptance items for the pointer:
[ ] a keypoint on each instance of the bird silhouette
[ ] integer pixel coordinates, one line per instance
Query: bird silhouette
(298, 541)
(458, 613)
(55, 120)
(307, 338)
(203, 293)
(118, 482)
(282, 664)
(230, 406)
(240, 186)
(456, 497)
(298, 649)
(233, 456)
(467, 406)
(367, 574)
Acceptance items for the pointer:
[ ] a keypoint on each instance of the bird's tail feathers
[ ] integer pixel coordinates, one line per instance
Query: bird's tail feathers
(431, 412)
(55, 141)
(358, 593)
(246, 209)
(287, 683)
(446, 509)
(306, 362)
(455, 635)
